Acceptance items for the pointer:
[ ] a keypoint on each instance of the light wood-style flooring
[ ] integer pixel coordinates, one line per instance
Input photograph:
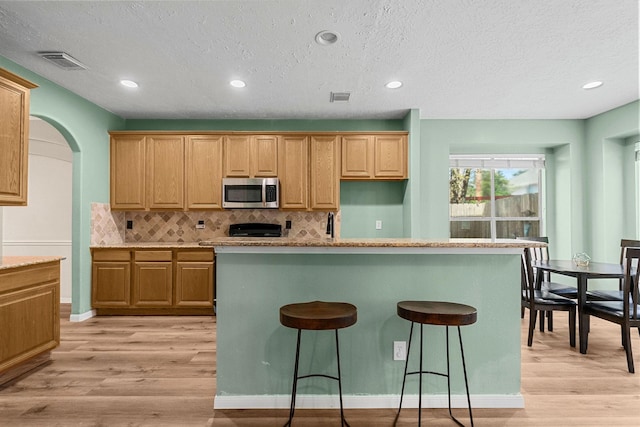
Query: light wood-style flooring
(160, 371)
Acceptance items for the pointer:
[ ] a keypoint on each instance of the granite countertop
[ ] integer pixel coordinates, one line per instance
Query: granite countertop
(21, 261)
(337, 242)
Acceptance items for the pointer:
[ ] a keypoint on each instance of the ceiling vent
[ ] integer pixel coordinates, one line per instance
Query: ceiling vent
(339, 96)
(63, 60)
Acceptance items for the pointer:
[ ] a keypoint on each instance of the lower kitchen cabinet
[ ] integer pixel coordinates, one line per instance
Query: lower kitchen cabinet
(111, 278)
(155, 282)
(194, 276)
(153, 279)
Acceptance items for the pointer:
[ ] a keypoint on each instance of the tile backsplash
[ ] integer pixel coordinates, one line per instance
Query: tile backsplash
(109, 227)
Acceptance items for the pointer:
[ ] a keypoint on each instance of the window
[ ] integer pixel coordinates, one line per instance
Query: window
(495, 196)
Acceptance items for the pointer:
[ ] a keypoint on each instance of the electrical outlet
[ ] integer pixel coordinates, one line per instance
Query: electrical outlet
(379, 224)
(129, 224)
(399, 350)
(287, 225)
(200, 225)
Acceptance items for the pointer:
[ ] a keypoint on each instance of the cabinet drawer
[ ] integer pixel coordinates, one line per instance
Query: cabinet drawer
(153, 255)
(112, 255)
(195, 256)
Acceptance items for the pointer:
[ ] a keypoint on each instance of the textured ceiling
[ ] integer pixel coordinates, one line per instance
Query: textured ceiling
(457, 58)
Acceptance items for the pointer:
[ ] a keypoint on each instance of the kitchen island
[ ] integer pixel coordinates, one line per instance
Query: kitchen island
(29, 313)
(255, 354)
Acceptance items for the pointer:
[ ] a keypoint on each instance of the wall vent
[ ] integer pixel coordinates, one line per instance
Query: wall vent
(63, 60)
(339, 96)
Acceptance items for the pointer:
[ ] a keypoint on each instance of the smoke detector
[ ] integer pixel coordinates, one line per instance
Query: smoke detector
(339, 96)
(63, 60)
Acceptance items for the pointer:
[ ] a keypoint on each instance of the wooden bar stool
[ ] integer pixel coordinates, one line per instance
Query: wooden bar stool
(436, 313)
(317, 315)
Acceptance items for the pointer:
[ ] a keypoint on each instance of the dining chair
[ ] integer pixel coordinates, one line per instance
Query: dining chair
(567, 291)
(625, 312)
(541, 300)
(615, 294)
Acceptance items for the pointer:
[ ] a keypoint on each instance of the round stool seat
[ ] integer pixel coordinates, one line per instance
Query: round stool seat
(437, 313)
(318, 315)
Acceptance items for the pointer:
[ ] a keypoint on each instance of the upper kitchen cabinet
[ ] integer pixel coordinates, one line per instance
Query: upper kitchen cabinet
(147, 172)
(374, 157)
(324, 168)
(14, 138)
(357, 156)
(248, 156)
(165, 172)
(203, 162)
(294, 171)
(127, 168)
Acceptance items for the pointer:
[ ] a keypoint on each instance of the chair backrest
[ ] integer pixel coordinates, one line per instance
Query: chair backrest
(538, 254)
(527, 278)
(631, 282)
(624, 244)
(627, 243)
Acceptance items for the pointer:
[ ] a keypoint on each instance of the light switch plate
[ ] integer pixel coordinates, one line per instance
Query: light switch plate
(379, 224)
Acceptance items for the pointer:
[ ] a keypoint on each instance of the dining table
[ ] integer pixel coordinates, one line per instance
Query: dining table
(582, 273)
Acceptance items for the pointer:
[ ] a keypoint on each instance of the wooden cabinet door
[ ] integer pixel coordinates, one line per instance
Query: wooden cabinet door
(294, 172)
(153, 284)
(14, 138)
(127, 169)
(165, 172)
(357, 156)
(237, 156)
(324, 172)
(390, 156)
(111, 284)
(194, 284)
(203, 164)
(264, 156)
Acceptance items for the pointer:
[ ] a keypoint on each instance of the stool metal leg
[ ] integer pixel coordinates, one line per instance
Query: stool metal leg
(466, 383)
(448, 375)
(294, 387)
(343, 422)
(404, 377)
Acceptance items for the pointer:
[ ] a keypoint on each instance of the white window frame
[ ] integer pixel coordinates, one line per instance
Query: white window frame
(501, 161)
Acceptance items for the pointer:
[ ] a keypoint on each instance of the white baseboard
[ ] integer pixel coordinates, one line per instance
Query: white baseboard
(306, 401)
(82, 316)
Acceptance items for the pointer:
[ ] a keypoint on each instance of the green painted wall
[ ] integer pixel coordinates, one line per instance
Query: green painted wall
(255, 353)
(268, 125)
(442, 137)
(84, 126)
(362, 203)
(605, 170)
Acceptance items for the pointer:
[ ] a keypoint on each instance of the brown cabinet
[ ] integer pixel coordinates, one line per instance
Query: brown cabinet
(203, 165)
(374, 157)
(357, 156)
(294, 172)
(29, 316)
(152, 279)
(127, 168)
(324, 176)
(111, 278)
(165, 172)
(194, 279)
(248, 156)
(171, 281)
(14, 138)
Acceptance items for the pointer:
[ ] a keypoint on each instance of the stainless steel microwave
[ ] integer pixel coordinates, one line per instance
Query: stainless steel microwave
(250, 193)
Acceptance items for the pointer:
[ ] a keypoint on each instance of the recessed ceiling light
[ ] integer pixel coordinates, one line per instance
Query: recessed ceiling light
(394, 84)
(592, 85)
(327, 37)
(237, 83)
(128, 83)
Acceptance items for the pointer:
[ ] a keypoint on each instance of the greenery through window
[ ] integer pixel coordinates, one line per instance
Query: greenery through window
(495, 202)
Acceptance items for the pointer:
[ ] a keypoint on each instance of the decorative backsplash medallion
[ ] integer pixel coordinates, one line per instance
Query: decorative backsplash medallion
(109, 227)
